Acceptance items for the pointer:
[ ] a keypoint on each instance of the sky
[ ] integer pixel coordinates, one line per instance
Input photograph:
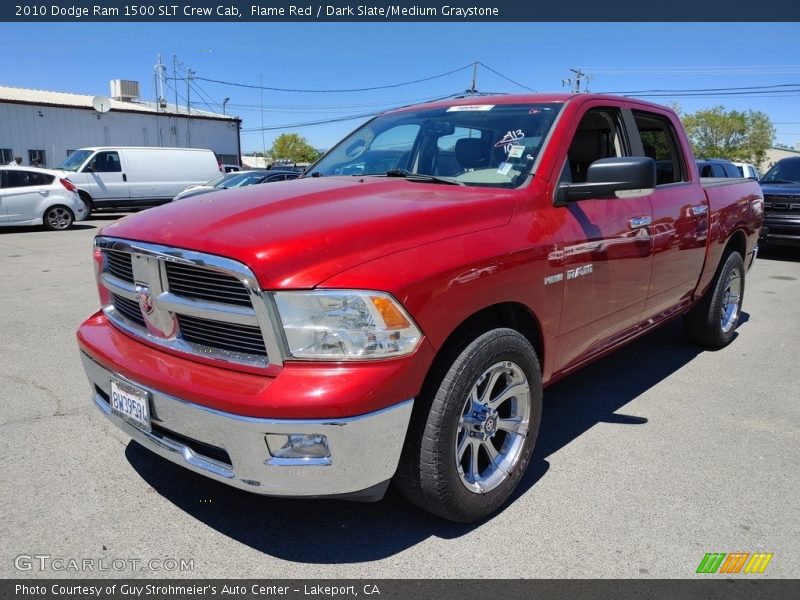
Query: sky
(621, 57)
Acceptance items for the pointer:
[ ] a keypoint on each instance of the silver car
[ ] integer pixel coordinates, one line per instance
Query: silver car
(33, 196)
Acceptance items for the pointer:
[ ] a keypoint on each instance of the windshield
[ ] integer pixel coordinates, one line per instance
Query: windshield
(786, 170)
(74, 161)
(242, 180)
(479, 144)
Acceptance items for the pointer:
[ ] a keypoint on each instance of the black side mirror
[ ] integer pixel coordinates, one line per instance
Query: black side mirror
(611, 178)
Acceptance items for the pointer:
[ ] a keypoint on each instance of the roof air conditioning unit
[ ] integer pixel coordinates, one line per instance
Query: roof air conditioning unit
(125, 90)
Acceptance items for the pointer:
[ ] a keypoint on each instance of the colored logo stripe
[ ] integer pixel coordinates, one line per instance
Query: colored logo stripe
(758, 562)
(734, 562)
(711, 562)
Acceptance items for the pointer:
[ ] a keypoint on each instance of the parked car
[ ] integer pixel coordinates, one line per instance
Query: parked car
(747, 170)
(207, 186)
(323, 338)
(781, 186)
(34, 196)
(129, 177)
(238, 180)
(717, 167)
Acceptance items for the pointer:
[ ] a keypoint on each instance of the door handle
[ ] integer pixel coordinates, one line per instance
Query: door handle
(124, 177)
(699, 209)
(638, 222)
(43, 192)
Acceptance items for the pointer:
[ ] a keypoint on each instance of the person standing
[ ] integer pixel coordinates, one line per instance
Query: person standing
(16, 162)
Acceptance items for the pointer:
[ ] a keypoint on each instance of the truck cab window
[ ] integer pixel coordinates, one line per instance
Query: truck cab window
(660, 143)
(599, 135)
(106, 162)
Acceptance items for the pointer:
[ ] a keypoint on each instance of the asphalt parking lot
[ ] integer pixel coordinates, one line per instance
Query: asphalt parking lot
(647, 459)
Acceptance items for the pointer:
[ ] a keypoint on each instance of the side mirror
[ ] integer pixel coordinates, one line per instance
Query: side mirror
(618, 177)
(89, 169)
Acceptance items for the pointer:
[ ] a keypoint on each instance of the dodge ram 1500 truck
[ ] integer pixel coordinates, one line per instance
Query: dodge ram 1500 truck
(396, 312)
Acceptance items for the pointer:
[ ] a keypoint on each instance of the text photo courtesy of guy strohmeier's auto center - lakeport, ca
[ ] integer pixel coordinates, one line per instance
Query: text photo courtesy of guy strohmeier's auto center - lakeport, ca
(471, 302)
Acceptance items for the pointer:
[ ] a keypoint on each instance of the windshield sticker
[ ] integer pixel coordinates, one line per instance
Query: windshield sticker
(470, 107)
(534, 111)
(504, 168)
(509, 138)
(516, 151)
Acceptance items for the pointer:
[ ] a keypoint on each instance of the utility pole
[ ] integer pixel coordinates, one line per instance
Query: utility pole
(189, 76)
(263, 143)
(473, 89)
(175, 83)
(580, 76)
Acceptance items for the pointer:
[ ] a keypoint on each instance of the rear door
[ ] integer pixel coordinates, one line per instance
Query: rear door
(22, 194)
(106, 178)
(680, 213)
(606, 245)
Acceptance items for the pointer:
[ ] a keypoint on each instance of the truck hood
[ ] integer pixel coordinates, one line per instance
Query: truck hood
(297, 234)
(781, 189)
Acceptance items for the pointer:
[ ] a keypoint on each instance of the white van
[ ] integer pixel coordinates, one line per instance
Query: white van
(748, 171)
(124, 177)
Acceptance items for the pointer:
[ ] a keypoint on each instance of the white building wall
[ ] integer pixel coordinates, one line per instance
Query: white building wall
(55, 130)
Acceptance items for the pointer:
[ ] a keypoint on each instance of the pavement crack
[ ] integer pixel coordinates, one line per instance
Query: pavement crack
(55, 397)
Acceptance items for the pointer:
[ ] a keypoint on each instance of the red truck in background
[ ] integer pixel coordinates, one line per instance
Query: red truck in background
(396, 313)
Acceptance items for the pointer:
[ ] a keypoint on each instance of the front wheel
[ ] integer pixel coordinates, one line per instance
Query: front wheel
(474, 431)
(712, 321)
(58, 218)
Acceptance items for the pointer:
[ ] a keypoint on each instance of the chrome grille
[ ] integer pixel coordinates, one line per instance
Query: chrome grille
(120, 265)
(205, 284)
(129, 309)
(195, 303)
(225, 336)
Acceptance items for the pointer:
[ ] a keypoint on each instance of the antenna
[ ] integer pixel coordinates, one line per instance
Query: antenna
(101, 104)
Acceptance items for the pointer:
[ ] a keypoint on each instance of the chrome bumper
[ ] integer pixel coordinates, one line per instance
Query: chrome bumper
(364, 450)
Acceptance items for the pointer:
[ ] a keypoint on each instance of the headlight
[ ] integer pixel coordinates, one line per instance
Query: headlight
(345, 324)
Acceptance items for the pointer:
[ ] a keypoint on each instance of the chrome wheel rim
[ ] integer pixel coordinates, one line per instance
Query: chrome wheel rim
(59, 218)
(731, 300)
(492, 427)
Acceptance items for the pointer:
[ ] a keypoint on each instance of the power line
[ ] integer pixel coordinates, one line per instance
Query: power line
(337, 91)
(718, 89)
(485, 66)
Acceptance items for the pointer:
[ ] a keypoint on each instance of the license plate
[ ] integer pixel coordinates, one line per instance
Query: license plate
(131, 404)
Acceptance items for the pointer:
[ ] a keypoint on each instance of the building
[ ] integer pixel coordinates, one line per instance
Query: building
(45, 127)
(775, 154)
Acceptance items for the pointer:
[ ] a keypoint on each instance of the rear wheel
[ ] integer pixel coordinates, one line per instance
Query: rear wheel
(474, 431)
(712, 321)
(58, 218)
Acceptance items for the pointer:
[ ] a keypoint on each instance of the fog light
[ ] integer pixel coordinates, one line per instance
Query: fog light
(298, 449)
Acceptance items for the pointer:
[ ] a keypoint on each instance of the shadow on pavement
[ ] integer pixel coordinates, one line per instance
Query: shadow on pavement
(337, 532)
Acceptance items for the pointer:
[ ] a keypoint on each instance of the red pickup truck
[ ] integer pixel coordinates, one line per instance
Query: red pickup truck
(396, 312)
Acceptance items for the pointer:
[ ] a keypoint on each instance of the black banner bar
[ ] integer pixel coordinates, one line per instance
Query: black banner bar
(242, 11)
(751, 587)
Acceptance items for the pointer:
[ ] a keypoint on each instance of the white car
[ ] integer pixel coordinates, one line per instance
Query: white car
(748, 171)
(32, 196)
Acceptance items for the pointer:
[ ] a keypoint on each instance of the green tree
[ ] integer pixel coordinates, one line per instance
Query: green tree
(735, 135)
(293, 147)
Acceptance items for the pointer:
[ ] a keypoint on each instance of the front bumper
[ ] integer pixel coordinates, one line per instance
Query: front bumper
(781, 229)
(232, 449)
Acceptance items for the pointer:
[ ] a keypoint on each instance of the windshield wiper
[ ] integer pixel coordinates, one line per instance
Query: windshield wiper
(406, 174)
(779, 181)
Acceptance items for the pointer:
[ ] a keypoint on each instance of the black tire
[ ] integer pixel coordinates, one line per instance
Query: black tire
(87, 203)
(430, 474)
(58, 218)
(708, 322)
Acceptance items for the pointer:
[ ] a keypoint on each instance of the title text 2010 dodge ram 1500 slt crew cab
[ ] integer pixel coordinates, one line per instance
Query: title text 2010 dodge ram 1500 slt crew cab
(395, 313)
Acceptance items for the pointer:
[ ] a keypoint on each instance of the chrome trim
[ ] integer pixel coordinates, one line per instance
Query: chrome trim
(205, 309)
(262, 314)
(638, 222)
(364, 449)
